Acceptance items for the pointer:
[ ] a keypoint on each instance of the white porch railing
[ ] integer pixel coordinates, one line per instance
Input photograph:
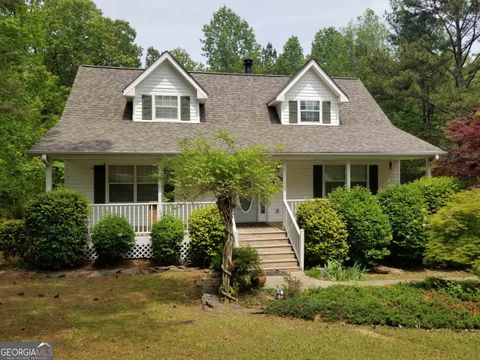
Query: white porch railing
(141, 216)
(236, 238)
(293, 205)
(295, 234)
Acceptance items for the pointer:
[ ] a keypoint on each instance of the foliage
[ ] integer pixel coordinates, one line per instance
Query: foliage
(268, 59)
(314, 272)
(407, 305)
(167, 237)
(436, 191)
(185, 60)
(12, 238)
(406, 211)
(463, 290)
(218, 166)
(455, 232)
(369, 231)
(112, 238)
(291, 59)
(207, 235)
(325, 232)
(292, 286)
(151, 56)
(246, 268)
(228, 39)
(334, 270)
(56, 224)
(463, 160)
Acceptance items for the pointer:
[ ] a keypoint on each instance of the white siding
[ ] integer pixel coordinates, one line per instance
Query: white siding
(310, 87)
(165, 80)
(79, 176)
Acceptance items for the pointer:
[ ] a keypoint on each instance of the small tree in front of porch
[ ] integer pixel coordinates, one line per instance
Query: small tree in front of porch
(220, 167)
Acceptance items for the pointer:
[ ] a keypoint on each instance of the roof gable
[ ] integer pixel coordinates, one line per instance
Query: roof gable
(166, 57)
(311, 65)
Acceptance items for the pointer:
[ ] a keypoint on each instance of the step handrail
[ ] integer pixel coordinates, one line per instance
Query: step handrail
(296, 236)
(236, 238)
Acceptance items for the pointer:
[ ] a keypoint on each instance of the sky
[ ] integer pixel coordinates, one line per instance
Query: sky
(169, 24)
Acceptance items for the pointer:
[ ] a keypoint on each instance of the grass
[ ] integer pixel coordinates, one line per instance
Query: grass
(434, 303)
(420, 274)
(159, 316)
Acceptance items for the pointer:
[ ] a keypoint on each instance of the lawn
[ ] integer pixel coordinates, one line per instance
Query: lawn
(159, 316)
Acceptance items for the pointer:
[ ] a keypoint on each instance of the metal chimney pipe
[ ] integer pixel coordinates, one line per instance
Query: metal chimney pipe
(248, 65)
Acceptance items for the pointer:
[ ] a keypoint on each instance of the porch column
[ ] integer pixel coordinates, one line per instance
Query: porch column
(428, 168)
(160, 191)
(284, 179)
(48, 173)
(347, 175)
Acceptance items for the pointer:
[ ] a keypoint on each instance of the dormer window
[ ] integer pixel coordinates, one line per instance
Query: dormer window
(166, 107)
(309, 111)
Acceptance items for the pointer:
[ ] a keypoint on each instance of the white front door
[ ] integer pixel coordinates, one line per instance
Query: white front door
(247, 210)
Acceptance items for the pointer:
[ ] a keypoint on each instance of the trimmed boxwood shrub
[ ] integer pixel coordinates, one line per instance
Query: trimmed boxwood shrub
(325, 232)
(167, 236)
(406, 211)
(112, 238)
(436, 191)
(12, 238)
(207, 235)
(56, 224)
(455, 233)
(369, 231)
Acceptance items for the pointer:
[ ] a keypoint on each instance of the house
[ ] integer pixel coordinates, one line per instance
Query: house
(119, 122)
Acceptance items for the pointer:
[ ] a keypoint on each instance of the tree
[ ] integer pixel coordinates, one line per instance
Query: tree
(186, 61)
(228, 39)
(330, 49)
(463, 160)
(291, 59)
(268, 59)
(152, 55)
(218, 166)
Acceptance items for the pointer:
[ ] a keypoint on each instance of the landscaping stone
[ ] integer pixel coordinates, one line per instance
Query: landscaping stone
(2, 272)
(211, 302)
(381, 269)
(110, 272)
(95, 274)
(130, 271)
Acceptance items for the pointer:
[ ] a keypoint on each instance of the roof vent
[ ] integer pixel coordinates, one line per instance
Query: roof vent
(248, 65)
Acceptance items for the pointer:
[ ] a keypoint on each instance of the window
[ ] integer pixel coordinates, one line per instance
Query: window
(121, 184)
(129, 183)
(334, 177)
(146, 107)
(147, 186)
(166, 107)
(358, 175)
(326, 112)
(309, 111)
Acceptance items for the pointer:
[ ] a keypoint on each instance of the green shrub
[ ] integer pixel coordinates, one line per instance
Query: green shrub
(246, 268)
(406, 211)
(57, 233)
(406, 305)
(436, 191)
(334, 270)
(167, 237)
(12, 238)
(369, 231)
(314, 272)
(455, 232)
(325, 232)
(112, 238)
(207, 235)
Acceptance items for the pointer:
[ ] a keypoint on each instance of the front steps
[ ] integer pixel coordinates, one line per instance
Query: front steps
(271, 242)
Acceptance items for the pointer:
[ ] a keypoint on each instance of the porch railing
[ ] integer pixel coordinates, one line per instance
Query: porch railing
(141, 216)
(293, 205)
(295, 234)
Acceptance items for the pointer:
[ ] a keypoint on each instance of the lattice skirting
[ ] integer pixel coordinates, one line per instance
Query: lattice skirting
(143, 250)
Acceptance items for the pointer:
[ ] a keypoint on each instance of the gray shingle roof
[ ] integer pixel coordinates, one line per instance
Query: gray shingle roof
(96, 120)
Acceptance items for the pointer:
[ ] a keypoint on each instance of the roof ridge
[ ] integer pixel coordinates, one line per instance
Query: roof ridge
(111, 67)
(237, 74)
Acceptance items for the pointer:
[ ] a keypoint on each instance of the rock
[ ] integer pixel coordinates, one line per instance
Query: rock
(57, 275)
(111, 272)
(131, 271)
(95, 274)
(162, 268)
(211, 302)
(381, 269)
(2, 272)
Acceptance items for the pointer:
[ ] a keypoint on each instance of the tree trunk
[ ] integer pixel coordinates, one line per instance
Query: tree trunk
(226, 205)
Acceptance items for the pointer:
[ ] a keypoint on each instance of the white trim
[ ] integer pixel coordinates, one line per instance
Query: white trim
(249, 207)
(179, 108)
(342, 97)
(130, 89)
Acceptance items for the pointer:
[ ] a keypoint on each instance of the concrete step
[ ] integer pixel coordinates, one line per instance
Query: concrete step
(278, 263)
(261, 236)
(272, 237)
(257, 243)
(278, 255)
(264, 248)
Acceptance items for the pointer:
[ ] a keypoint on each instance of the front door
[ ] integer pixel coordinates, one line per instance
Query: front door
(247, 210)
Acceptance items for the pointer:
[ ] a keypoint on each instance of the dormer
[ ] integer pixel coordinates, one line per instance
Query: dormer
(310, 97)
(165, 92)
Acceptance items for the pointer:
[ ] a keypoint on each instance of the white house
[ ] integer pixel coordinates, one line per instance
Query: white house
(328, 132)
